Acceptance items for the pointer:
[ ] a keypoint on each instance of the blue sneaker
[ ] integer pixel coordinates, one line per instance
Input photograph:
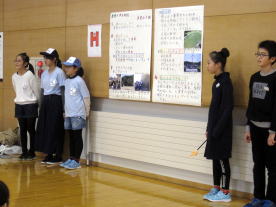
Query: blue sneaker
(65, 163)
(268, 203)
(213, 191)
(255, 203)
(73, 165)
(220, 197)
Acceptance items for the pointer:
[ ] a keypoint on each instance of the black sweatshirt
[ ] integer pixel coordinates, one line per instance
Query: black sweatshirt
(220, 124)
(262, 99)
(220, 111)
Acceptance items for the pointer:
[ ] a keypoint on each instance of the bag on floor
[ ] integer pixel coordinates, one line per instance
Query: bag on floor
(9, 137)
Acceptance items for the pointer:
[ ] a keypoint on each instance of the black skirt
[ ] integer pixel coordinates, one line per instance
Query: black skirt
(26, 110)
(50, 125)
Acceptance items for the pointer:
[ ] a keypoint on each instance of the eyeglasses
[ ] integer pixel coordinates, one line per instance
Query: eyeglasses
(257, 54)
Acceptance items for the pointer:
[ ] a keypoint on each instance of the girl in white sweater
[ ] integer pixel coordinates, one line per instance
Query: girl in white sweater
(26, 102)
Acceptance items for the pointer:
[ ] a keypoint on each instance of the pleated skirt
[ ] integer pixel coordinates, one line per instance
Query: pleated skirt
(50, 125)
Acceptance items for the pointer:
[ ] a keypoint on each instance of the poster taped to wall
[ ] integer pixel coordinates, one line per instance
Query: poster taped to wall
(94, 40)
(178, 55)
(130, 55)
(1, 56)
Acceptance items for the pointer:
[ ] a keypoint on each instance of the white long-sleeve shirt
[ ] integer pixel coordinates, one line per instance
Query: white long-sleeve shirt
(26, 88)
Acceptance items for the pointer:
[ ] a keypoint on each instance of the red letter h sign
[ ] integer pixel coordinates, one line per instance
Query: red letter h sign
(94, 37)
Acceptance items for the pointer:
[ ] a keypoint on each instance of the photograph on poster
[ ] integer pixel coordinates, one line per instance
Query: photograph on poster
(142, 82)
(192, 61)
(192, 39)
(115, 81)
(192, 54)
(127, 81)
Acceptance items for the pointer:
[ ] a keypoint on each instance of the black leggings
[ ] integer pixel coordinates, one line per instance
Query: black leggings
(76, 144)
(222, 173)
(27, 125)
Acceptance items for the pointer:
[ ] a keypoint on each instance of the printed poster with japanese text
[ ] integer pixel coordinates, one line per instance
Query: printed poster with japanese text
(130, 55)
(177, 77)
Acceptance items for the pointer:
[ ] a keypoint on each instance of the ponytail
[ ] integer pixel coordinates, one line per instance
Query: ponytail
(31, 68)
(80, 72)
(58, 62)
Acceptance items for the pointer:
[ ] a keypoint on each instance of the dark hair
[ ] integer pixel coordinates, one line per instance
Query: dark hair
(58, 61)
(26, 59)
(270, 46)
(80, 72)
(4, 194)
(220, 57)
(55, 56)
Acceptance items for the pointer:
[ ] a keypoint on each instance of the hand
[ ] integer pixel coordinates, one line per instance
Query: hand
(270, 139)
(247, 137)
(206, 134)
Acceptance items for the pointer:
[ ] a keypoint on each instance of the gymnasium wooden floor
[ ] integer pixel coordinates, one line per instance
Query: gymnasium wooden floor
(33, 184)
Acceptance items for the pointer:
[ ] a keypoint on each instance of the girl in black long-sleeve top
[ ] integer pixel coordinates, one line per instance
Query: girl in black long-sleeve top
(219, 127)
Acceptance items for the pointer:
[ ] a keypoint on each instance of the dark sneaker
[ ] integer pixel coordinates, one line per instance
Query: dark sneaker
(255, 203)
(268, 203)
(47, 159)
(23, 156)
(31, 156)
(55, 160)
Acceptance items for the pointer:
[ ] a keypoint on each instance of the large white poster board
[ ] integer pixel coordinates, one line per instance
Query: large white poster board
(130, 55)
(177, 77)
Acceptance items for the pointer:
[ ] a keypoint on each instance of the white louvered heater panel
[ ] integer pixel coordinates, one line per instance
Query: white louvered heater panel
(163, 141)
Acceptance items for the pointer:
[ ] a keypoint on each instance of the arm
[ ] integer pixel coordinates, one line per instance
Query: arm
(61, 81)
(35, 88)
(41, 95)
(209, 113)
(62, 88)
(227, 103)
(247, 135)
(273, 120)
(86, 101)
(271, 138)
(86, 96)
(249, 101)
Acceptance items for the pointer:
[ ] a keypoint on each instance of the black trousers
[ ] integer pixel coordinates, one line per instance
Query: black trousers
(27, 125)
(264, 156)
(222, 173)
(76, 143)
